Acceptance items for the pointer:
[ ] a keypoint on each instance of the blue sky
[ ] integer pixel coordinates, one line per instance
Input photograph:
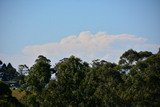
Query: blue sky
(36, 22)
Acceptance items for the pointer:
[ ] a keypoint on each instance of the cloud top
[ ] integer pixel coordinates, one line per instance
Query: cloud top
(89, 46)
(86, 45)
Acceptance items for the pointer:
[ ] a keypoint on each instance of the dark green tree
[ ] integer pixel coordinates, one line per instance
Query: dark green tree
(11, 72)
(1, 62)
(6, 98)
(8, 72)
(144, 55)
(131, 57)
(39, 74)
(143, 83)
(64, 91)
(102, 85)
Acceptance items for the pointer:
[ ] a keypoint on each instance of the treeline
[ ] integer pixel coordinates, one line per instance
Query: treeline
(133, 82)
(7, 72)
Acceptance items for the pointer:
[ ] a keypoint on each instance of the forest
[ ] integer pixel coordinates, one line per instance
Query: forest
(132, 82)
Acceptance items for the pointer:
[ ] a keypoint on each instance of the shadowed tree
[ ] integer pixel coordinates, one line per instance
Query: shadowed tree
(101, 85)
(131, 57)
(9, 72)
(143, 83)
(1, 62)
(39, 74)
(64, 91)
(6, 98)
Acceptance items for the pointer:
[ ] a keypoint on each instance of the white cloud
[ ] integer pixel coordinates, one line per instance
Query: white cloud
(88, 46)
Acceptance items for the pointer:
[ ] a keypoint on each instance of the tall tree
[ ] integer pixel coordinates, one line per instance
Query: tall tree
(64, 91)
(39, 74)
(101, 85)
(131, 57)
(9, 72)
(143, 83)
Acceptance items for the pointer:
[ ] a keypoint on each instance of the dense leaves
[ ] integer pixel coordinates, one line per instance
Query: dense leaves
(131, 57)
(145, 79)
(103, 84)
(39, 74)
(133, 82)
(6, 98)
(8, 72)
(65, 89)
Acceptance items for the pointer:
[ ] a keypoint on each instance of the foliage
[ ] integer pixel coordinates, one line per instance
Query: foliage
(39, 74)
(101, 85)
(145, 83)
(6, 98)
(133, 82)
(8, 72)
(65, 90)
(131, 57)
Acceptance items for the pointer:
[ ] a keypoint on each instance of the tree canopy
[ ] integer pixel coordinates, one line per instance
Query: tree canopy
(133, 82)
(39, 74)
